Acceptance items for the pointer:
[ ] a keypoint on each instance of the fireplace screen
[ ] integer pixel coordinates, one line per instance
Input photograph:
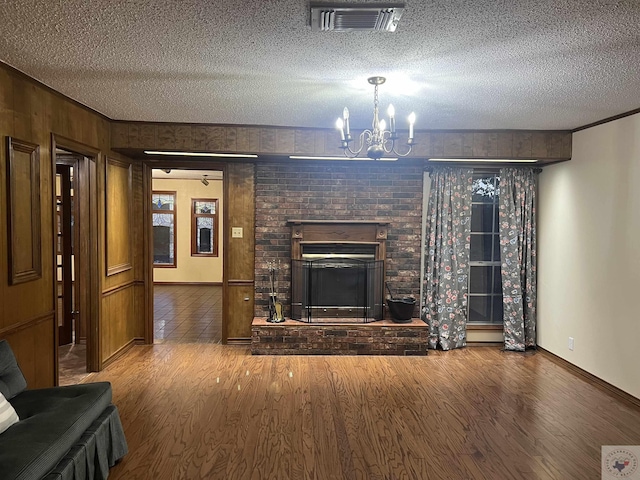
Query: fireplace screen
(331, 288)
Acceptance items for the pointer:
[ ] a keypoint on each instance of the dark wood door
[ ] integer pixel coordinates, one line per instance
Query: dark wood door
(64, 253)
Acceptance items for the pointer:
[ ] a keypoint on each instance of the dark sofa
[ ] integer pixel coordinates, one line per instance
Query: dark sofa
(67, 433)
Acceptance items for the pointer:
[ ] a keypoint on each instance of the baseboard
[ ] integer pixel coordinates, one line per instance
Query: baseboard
(485, 344)
(211, 284)
(120, 352)
(596, 381)
(238, 341)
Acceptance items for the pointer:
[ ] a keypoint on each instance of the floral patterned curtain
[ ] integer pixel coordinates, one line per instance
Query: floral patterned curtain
(447, 257)
(518, 256)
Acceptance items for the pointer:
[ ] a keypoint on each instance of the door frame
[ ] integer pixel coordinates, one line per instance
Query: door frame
(88, 278)
(147, 189)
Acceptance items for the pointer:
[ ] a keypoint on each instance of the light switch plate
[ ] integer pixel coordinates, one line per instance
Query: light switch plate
(236, 232)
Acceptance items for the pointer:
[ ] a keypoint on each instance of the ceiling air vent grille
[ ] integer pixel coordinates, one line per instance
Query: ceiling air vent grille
(355, 18)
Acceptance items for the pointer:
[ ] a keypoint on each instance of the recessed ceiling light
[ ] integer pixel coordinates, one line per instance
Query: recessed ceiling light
(201, 154)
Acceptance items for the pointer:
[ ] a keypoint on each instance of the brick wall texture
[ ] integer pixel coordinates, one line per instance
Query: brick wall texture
(384, 191)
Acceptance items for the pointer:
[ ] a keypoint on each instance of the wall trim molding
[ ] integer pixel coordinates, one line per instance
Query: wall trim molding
(117, 288)
(15, 210)
(589, 377)
(607, 120)
(212, 284)
(24, 324)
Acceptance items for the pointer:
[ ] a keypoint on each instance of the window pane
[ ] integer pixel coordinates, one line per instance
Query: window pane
(163, 245)
(481, 247)
(482, 218)
(497, 280)
(163, 219)
(496, 248)
(204, 234)
(480, 280)
(484, 189)
(162, 201)
(163, 238)
(497, 309)
(205, 207)
(479, 309)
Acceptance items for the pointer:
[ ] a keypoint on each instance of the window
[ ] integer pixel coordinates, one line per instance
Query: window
(204, 227)
(163, 211)
(485, 279)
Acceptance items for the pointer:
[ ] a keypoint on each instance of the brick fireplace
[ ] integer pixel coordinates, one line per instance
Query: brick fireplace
(296, 202)
(351, 191)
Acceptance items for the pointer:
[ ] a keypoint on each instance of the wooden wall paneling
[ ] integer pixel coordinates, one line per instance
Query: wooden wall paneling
(118, 327)
(24, 222)
(21, 109)
(33, 346)
(272, 140)
(118, 203)
(303, 141)
(31, 111)
(240, 299)
(248, 139)
(239, 253)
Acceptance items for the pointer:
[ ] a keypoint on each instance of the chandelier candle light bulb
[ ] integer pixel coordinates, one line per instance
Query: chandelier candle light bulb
(340, 126)
(347, 130)
(379, 141)
(412, 120)
(392, 119)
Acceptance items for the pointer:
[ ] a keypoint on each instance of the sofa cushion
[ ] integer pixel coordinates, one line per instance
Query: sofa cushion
(52, 420)
(12, 381)
(8, 415)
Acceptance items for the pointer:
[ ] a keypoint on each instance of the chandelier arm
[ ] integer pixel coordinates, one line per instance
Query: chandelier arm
(378, 140)
(396, 152)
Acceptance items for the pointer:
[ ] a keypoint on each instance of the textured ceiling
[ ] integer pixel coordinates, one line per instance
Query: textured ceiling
(460, 64)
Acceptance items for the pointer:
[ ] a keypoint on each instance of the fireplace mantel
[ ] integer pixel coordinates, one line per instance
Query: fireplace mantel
(338, 231)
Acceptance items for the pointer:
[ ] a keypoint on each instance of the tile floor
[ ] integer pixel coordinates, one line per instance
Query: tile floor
(187, 313)
(182, 314)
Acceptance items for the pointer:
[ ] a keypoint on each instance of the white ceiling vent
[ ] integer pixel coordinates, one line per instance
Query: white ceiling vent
(355, 18)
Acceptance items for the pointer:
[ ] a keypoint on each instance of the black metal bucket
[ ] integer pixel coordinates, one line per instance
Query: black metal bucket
(401, 310)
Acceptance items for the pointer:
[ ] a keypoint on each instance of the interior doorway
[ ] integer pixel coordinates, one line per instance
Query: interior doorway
(75, 254)
(72, 327)
(186, 253)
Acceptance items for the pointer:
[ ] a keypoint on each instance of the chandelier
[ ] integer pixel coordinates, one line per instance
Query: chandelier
(379, 140)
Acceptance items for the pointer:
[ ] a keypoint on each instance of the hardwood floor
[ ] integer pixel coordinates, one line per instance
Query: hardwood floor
(208, 411)
(187, 313)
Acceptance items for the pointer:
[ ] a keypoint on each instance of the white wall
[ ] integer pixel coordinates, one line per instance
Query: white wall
(191, 269)
(589, 254)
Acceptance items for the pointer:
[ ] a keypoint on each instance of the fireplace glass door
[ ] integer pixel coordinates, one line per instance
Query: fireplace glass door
(337, 288)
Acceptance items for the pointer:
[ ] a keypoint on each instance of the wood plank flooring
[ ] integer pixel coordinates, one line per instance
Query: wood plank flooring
(209, 411)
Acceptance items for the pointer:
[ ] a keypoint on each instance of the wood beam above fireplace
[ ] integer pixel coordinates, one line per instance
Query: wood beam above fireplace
(338, 232)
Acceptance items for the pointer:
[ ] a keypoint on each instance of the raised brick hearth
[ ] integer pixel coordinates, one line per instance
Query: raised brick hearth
(292, 337)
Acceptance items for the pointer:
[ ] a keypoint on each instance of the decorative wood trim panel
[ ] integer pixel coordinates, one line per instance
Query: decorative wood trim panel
(23, 211)
(117, 288)
(132, 138)
(118, 217)
(30, 322)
